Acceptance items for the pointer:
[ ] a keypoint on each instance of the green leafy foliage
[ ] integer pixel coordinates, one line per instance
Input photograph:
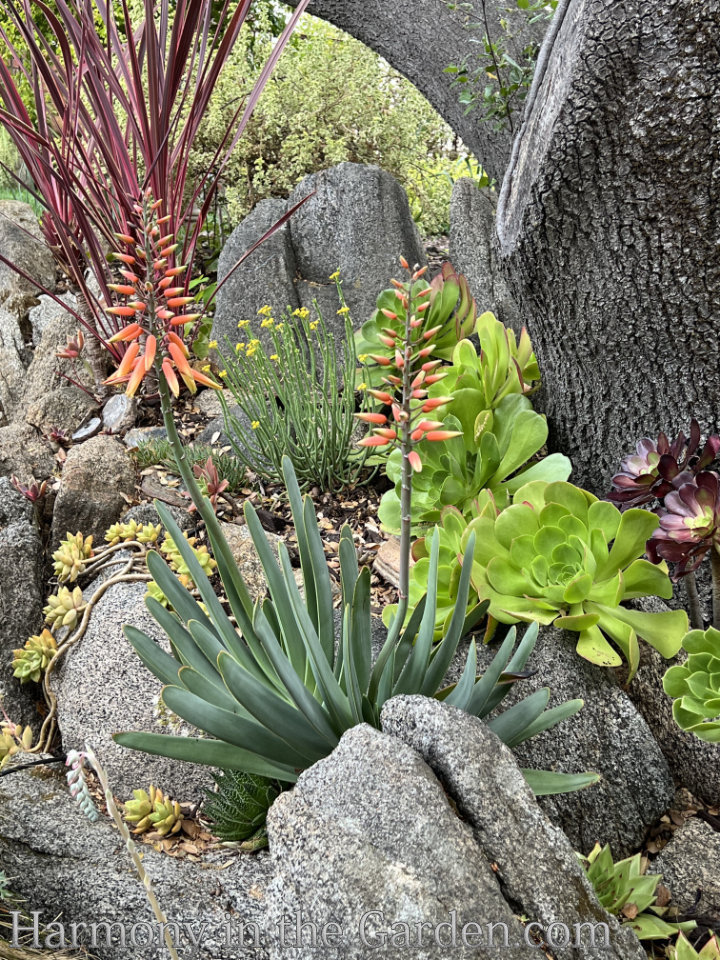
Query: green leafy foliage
(628, 893)
(493, 83)
(499, 431)
(332, 99)
(695, 685)
(445, 302)
(289, 393)
(278, 695)
(559, 555)
(239, 806)
(682, 949)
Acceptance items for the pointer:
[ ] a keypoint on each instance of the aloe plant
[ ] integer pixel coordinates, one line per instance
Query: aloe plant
(695, 685)
(559, 555)
(278, 694)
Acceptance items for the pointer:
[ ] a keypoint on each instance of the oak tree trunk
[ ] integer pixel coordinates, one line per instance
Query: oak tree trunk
(609, 224)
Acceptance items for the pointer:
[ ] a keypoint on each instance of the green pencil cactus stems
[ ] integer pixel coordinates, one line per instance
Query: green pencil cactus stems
(695, 685)
(71, 557)
(559, 555)
(64, 608)
(30, 662)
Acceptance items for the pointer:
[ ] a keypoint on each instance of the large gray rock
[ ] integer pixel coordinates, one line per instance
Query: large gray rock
(102, 688)
(359, 222)
(23, 452)
(21, 596)
(608, 736)
(472, 250)
(266, 277)
(690, 864)
(46, 311)
(21, 241)
(366, 839)
(74, 871)
(47, 371)
(65, 408)
(97, 482)
(535, 863)
(14, 358)
(120, 413)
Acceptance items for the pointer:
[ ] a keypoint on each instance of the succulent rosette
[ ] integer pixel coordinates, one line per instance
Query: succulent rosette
(558, 555)
(445, 305)
(659, 466)
(689, 524)
(695, 685)
(491, 451)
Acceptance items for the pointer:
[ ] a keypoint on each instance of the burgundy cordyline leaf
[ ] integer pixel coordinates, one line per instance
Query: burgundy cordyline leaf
(109, 109)
(658, 467)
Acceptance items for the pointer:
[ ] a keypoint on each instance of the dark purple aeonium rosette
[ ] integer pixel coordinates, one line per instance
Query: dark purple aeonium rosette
(659, 466)
(689, 524)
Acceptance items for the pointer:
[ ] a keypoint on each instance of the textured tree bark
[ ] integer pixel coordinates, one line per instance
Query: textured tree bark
(609, 224)
(420, 38)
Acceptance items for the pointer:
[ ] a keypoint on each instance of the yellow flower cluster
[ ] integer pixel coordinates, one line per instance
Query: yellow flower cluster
(265, 311)
(313, 325)
(336, 275)
(301, 312)
(213, 344)
(255, 424)
(343, 311)
(252, 348)
(242, 324)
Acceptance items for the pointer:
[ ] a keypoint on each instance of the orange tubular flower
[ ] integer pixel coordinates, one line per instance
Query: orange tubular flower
(373, 442)
(137, 377)
(381, 396)
(172, 380)
(126, 364)
(150, 350)
(180, 360)
(442, 434)
(121, 311)
(387, 433)
(131, 332)
(378, 418)
(206, 381)
(415, 461)
(434, 403)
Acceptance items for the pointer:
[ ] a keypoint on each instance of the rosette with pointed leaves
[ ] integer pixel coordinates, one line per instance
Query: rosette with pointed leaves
(628, 893)
(153, 811)
(71, 557)
(30, 662)
(64, 608)
(491, 452)
(559, 555)
(695, 685)
(132, 530)
(659, 466)
(445, 302)
(689, 524)
(277, 691)
(13, 739)
(239, 806)
(682, 949)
